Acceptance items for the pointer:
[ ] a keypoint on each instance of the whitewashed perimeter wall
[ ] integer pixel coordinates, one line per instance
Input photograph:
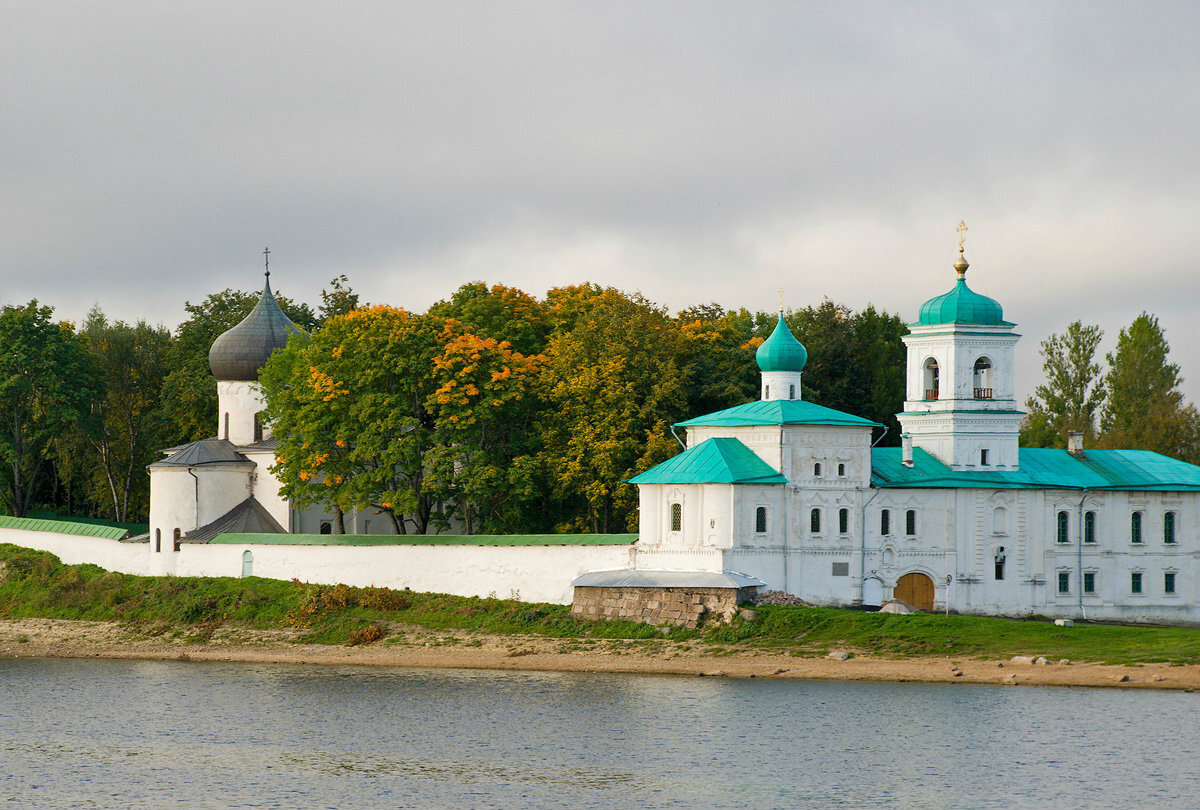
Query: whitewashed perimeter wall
(530, 573)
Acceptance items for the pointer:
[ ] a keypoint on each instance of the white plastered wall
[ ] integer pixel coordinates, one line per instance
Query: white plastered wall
(240, 401)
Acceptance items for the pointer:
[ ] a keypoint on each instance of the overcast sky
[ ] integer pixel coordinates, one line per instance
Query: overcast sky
(693, 151)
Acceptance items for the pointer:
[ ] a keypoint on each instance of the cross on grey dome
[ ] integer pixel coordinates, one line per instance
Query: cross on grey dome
(240, 352)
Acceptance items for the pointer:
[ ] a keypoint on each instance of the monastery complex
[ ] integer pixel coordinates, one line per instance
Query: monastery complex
(777, 494)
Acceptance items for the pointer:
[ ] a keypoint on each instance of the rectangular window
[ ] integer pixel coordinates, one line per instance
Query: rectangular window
(1135, 582)
(1169, 582)
(760, 520)
(676, 517)
(1089, 581)
(1063, 526)
(1169, 527)
(1135, 527)
(885, 522)
(910, 522)
(841, 569)
(1064, 582)
(983, 460)
(843, 521)
(814, 521)
(1089, 527)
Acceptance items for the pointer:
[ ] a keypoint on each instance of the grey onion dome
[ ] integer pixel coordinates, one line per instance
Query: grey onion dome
(240, 352)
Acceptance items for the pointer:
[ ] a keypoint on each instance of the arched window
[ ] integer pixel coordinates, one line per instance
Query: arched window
(326, 527)
(157, 540)
(760, 520)
(226, 436)
(1063, 526)
(814, 521)
(247, 563)
(931, 379)
(1089, 527)
(983, 378)
(885, 521)
(841, 470)
(178, 538)
(999, 560)
(843, 521)
(910, 522)
(676, 517)
(791, 392)
(1169, 527)
(816, 471)
(1135, 527)
(258, 428)
(766, 392)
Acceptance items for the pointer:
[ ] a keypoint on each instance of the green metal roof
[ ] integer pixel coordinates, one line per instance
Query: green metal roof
(778, 412)
(781, 351)
(714, 461)
(244, 539)
(1042, 468)
(63, 527)
(962, 305)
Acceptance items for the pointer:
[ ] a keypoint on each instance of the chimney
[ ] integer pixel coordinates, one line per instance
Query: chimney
(1075, 443)
(906, 456)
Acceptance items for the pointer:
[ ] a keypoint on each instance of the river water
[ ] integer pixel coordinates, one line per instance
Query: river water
(130, 734)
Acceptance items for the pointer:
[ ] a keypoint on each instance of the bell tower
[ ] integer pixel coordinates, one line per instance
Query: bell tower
(959, 400)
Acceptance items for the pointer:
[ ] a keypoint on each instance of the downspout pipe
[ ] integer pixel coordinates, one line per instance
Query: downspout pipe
(862, 524)
(195, 519)
(1079, 555)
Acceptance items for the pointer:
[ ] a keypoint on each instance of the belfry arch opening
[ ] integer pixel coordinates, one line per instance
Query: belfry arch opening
(982, 378)
(931, 378)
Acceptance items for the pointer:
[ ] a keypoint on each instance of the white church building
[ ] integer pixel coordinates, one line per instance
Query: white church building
(778, 494)
(796, 496)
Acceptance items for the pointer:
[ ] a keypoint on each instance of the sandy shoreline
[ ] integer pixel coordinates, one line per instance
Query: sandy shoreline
(414, 647)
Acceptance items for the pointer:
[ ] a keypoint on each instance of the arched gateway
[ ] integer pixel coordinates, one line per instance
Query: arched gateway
(916, 589)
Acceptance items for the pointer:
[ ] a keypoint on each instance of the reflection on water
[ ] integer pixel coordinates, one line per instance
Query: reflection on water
(109, 734)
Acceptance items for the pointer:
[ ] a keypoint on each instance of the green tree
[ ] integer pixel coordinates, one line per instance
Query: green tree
(1073, 392)
(47, 384)
(126, 425)
(716, 360)
(485, 410)
(339, 299)
(348, 406)
(498, 312)
(189, 392)
(1144, 409)
(614, 388)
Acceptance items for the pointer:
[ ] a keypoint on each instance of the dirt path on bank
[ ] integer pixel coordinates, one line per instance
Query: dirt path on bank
(417, 647)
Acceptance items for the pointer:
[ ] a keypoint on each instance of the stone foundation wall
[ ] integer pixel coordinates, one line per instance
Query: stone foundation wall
(678, 606)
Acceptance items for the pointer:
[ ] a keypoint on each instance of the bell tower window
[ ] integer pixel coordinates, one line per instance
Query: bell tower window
(983, 378)
(931, 379)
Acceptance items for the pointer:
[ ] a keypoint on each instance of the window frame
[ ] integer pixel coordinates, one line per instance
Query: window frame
(843, 521)
(1064, 581)
(760, 520)
(1135, 527)
(814, 520)
(885, 522)
(1136, 583)
(910, 523)
(1062, 528)
(1089, 582)
(1089, 527)
(676, 516)
(1169, 528)
(1169, 583)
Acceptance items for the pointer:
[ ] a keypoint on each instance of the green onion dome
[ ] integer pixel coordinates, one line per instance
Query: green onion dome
(240, 352)
(781, 351)
(961, 304)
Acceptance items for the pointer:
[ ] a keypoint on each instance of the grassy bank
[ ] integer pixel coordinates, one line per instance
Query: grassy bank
(36, 584)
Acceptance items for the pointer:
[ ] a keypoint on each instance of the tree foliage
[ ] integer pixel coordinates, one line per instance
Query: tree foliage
(1070, 398)
(48, 383)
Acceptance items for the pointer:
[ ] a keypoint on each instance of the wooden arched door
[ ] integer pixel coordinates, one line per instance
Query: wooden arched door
(916, 589)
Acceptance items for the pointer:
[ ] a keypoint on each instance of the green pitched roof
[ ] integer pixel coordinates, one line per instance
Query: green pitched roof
(1042, 468)
(256, 539)
(715, 461)
(962, 305)
(778, 412)
(781, 351)
(63, 527)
